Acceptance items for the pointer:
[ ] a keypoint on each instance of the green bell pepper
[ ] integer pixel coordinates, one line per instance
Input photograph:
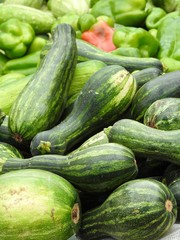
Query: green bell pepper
(168, 35)
(15, 37)
(166, 5)
(85, 21)
(156, 16)
(125, 12)
(38, 43)
(139, 38)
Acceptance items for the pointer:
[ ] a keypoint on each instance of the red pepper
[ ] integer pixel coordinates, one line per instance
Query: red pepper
(100, 35)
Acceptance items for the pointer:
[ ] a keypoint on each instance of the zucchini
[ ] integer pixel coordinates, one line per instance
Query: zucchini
(37, 205)
(2, 116)
(145, 75)
(138, 209)
(171, 173)
(95, 169)
(166, 85)
(163, 114)
(146, 141)
(87, 51)
(11, 84)
(106, 95)
(41, 21)
(41, 103)
(8, 151)
(174, 188)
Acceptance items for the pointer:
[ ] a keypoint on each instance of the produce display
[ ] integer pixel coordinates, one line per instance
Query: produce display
(89, 119)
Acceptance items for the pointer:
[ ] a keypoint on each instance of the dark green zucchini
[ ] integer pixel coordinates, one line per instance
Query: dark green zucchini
(174, 188)
(145, 75)
(146, 141)
(42, 101)
(104, 97)
(163, 114)
(171, 173)
(87, 51)
(138, 209)
(8, 151)
(164, 86)
(98, 168)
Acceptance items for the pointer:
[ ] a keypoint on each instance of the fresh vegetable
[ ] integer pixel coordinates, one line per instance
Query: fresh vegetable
(30, 3)
(86, 21)
(87, 51)
(11, 85)
(125, 12)
(138, 38)
(69, 18)
(41, 21)
(146, 141)
(8, 151)
(166, 5)
(15, 37)
(100, 35)
(62, 7)
(105, 96)
(174, 188)
(3, 60)
(95, 169)
(145, 75)
(171, 173)
(47, 91)
(168, 35)
(166, 85)
(26, 65)
(163, 114)
(38, 43)
(38, 205)
(138, 209)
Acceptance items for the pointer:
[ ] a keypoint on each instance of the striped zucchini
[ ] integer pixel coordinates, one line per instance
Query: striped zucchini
(138, 209)
(8, 151)
(164, 86)
(174, 188)
(42, 101)
(105, 96)
(146, 141)
(41, 21)
(145, 75)
(37, 205)
(87, 51)
(98, 168)
(163, 114)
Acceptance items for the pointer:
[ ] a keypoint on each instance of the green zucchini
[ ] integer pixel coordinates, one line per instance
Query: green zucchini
(37, 205)
(95, 169)
(138, 209)
(174, 188)
(8, 151)
(41, 103)
(146, 141)
(171, 173)
(87, 51)
(106, 95)
(166, 85)
(145, 75)
(163, 114)
(41, 21)
(11, 84)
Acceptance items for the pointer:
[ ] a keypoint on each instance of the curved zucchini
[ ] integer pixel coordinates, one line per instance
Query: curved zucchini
(146, 141)
(138, 209)
(98, 168)
(42, 101)
(174, 188)
(106, 95)
(163, 114)
(87, 51)
(166, 85)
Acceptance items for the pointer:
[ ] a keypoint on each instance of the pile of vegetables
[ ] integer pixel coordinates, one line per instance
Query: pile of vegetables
(89, 119)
